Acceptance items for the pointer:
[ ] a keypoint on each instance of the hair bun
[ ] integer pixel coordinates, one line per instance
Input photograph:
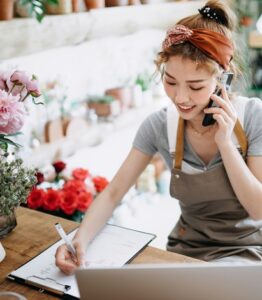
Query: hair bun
(213, 14)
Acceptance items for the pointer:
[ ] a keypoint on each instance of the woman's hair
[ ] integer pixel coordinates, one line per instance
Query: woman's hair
(225, 25)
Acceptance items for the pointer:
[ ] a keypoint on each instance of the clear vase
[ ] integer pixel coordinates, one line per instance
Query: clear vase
(7, 223)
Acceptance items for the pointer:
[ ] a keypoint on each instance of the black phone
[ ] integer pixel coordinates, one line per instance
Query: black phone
(226, 81)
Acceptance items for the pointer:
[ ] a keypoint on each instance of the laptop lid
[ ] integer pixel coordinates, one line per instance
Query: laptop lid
(172, 282)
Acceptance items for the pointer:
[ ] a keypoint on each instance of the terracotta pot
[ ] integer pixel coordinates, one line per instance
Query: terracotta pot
(246, 21)
(110, 3)
(102, 109)
(63, 7)
(122, 94)
(6, 9)
(75, 6)
(91, 4)
(134, 2)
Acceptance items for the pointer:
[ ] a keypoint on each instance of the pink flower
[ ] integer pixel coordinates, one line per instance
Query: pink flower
(4, 77)
(12, 113)
(33, 88)
(19, 78)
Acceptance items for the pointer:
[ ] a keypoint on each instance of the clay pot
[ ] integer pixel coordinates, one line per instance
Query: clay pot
(110, 3)
(122, 94)
(91, 4)
(101, 109)
(6, 10)
(63, 7)
(246, 21)
(75, 6)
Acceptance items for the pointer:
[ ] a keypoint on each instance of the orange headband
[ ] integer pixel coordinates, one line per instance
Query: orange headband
(213, 44)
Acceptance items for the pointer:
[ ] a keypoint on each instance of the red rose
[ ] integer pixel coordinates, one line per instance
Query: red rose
(59, 166)
(40, 177)
(80, 174)
(36, 198)
(52, 200)
(84, 201)
(69, 202)
(75, 186)
(100, 183)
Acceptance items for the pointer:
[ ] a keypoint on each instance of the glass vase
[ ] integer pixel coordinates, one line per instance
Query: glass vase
(7, 223)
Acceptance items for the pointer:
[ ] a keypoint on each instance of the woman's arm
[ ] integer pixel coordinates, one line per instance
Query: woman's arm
(246, 179)
(101, 210)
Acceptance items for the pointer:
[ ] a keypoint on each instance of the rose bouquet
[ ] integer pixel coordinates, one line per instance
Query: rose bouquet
(65, 193)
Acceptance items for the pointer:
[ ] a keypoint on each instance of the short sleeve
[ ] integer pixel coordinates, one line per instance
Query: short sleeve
(253, 126)
(145, 139)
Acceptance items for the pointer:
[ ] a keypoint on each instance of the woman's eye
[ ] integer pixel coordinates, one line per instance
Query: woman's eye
(196, 89)
(170, 83)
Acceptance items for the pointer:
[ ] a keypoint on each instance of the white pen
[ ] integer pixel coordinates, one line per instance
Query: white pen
(65, 238)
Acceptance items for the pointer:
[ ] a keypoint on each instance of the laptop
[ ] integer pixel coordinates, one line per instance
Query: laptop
(172, 282)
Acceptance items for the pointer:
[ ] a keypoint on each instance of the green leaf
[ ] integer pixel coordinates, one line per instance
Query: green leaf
(5, 140)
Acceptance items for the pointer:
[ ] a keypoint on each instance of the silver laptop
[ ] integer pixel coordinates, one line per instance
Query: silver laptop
(172, 282)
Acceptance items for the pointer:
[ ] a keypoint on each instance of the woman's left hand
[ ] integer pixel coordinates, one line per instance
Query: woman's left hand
(225, 115)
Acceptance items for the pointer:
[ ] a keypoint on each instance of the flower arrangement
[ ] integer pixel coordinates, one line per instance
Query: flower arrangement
(15, 88)
(65, 193)
(16, 180)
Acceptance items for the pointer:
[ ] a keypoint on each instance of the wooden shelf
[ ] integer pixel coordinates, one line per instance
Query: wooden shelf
(22, 36)
(255, 40)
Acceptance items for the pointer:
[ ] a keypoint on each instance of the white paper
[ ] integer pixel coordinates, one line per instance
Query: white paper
(114, 246)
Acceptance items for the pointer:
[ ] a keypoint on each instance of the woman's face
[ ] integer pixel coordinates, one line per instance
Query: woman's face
(188, 87)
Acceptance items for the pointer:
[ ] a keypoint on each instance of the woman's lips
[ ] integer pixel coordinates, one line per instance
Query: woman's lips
(185, 109)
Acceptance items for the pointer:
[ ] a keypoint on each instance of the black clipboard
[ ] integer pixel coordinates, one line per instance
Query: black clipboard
(54, 287)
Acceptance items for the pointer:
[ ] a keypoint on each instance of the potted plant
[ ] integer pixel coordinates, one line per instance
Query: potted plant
(144, 80)
(6, 9)
(104, 106)
(123, 94)
(34, 8)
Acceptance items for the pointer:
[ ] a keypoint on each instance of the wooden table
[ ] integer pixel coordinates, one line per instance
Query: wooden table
(35, 232)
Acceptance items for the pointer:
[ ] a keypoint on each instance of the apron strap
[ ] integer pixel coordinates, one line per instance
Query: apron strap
(241, 136)
(179, 144)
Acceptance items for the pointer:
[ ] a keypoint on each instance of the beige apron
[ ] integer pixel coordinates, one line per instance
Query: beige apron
(213, 223)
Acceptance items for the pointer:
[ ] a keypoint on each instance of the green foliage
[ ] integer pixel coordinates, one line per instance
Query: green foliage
(37, 7)
(106, 99)
(144, 80)
(16, 181)
(5, 141)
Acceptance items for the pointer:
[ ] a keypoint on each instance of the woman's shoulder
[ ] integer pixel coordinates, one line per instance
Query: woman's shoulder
(157, 118)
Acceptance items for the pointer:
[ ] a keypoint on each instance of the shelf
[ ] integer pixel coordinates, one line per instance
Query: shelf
(24, 36)
(255, 40)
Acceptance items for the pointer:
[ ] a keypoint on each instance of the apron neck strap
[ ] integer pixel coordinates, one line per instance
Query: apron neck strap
(179, 144)
(179, 154)
(241, 136)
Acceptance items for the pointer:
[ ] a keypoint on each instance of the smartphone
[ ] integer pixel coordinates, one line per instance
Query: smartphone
(226, 81)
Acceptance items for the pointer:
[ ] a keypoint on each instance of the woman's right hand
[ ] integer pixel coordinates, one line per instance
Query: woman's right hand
(66, 262)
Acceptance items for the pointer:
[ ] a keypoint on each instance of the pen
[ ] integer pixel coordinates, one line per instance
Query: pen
(65, 238)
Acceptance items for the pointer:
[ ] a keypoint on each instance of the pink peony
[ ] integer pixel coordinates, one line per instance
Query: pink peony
(12, 113)
(33, 88)
(19, 78)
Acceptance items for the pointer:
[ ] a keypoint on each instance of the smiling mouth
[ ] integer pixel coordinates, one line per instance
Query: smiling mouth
(185, 108)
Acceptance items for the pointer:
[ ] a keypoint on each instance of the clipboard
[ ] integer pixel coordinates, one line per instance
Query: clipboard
(113, 246)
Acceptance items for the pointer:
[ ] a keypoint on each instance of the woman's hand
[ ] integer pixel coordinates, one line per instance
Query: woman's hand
(66, 262)
(225, 115)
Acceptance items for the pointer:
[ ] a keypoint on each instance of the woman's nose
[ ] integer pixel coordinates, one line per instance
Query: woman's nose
(180, 96)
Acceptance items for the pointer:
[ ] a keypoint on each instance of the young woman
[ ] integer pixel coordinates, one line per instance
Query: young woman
(216, 169)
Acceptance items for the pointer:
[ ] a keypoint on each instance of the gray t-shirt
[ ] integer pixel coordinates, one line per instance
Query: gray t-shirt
(152, 137)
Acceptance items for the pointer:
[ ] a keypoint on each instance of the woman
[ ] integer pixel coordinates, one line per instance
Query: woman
(216, 170)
